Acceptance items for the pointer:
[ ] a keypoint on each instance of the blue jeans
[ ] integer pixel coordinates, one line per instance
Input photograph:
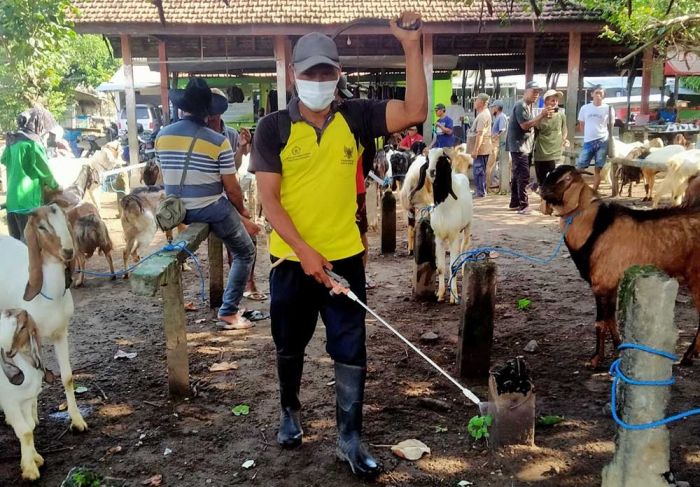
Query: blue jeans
(597, 149)
(480, 175)
(225, 222)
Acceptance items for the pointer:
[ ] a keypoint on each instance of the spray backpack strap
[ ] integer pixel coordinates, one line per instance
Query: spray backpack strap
(284, 127)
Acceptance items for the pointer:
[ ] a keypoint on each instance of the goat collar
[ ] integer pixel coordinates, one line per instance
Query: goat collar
(41, 293)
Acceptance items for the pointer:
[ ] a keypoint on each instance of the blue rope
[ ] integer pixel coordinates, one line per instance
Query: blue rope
(618, 375)
(481, 253)
(171, 247)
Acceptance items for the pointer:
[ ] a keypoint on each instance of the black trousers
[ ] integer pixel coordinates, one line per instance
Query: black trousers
(519, 179)
(296, 300)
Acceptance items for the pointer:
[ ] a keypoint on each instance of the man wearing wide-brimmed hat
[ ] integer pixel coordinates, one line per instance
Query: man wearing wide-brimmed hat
(206, 160)
(551, 136)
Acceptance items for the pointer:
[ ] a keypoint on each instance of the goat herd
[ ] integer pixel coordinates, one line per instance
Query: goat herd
(603, 238)
(36, 300)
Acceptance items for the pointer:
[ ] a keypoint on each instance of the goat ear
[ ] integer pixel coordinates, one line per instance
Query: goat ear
(13, 373)
(36, 275)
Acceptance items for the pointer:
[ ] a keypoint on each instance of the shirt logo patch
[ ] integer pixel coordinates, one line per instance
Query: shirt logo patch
(298, 154)
(348, 156)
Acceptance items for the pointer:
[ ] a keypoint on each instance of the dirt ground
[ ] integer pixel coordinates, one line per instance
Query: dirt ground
(127, 403)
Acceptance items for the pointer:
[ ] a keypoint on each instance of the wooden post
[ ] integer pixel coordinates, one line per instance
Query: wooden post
(504, 169)
(572, 87)
(476, 322)
(424, 266)
(676, 87)
(388, 222)
(428, 69)
(216, 271)
(163, 64)
(130, 101)
(175, 322)
(647, 65)
(282, 59)
(529, 59)
(647, 298)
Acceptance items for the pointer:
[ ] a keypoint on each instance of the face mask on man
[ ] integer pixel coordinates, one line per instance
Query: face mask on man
(316, 95)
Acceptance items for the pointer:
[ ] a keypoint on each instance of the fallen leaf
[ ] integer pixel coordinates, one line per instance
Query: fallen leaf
(410, 449)
(190, 306)
(223, 366)
(126, 355)
(241, 410)
(154, 481)
(114, 449)
(63, 406)
(440, 429)
(549, 420)
(200, 321)
(248, 464)
(80, 390)
(167, 452)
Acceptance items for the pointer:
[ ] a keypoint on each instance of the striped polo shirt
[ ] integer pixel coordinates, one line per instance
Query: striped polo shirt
(211, 158)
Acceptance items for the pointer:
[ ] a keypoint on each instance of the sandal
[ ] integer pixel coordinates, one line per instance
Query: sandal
(255, 315)
(240, 323)
(255, 295)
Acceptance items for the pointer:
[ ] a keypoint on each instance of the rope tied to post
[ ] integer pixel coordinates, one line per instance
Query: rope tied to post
(169, 247)
(618, 376)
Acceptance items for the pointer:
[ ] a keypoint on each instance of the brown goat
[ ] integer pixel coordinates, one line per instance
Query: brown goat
(90, 234)
(692, 194)
(605, 239)
(138, 211)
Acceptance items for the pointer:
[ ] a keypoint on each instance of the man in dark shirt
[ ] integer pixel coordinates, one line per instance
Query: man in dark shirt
(520, 142)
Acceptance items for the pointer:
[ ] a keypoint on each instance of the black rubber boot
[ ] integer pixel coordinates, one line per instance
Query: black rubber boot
(289, 369)
(350, 390)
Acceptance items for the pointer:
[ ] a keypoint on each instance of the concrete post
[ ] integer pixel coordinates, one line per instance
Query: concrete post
(646, 302)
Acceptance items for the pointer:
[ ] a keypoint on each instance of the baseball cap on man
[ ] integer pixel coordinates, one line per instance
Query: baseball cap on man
(497, 103)
(314, 49)
(483, 97)
(439, 106)
(533, 85)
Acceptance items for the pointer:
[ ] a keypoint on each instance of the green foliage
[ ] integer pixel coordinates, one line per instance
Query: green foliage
(241, 410)
(82, 477)
(524, 304)
(551, 420)
(42, 59)
(478, 426)
(691, 82)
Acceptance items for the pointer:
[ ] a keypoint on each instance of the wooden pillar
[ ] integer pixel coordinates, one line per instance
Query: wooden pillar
(428, 69)
(642, 457)
(130, 101)
(388, 222)
(572, 87)
(175, 322)
(647, 62)
(282, 59)
(163, 63)
(529, 58)
(216, 270)
(424, 266)
(476, 322)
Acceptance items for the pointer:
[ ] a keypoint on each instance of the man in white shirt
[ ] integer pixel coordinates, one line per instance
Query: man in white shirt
(456, 112)
(594, 119)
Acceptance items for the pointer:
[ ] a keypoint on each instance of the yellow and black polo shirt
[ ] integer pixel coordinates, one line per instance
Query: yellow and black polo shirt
(318, 168)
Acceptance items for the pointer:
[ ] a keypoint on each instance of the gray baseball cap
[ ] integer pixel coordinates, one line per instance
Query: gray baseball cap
(314, 49)
(533, 85)
(497, 103)
(483, 97)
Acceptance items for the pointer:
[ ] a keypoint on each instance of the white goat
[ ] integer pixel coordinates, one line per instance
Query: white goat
(20, 383)
(451, 217)
(681, 168)
(416, 194)
(36, 277)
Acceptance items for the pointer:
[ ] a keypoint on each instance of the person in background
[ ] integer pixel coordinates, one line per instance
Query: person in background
(499, 128)
(551, 137)
(27, 168)
(669, 114)
(444, 138)
(519, 142)
(481, 145)
(594, 118)
(210, 191)
(240, 142)
(412, 136)
(456, 112)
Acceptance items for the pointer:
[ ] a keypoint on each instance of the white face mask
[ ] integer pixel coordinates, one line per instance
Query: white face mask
(316, 95)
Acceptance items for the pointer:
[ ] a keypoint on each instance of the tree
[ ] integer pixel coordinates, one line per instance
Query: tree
(89, 62)
(32, 37)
